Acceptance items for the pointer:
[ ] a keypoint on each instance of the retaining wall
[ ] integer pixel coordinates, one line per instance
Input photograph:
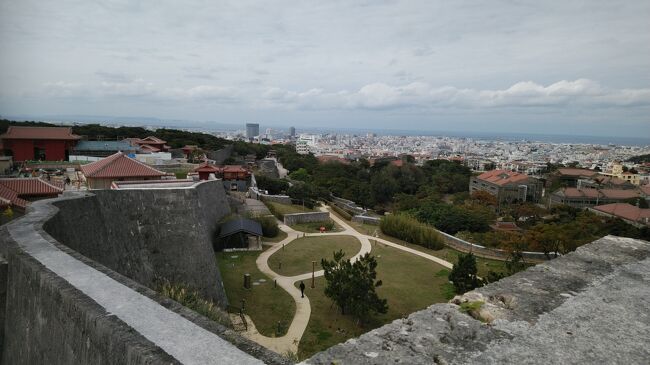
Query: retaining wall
(148, 235)
(256, 194)
(63, 308)
(482, 251)
(296, 218)
(367, 220)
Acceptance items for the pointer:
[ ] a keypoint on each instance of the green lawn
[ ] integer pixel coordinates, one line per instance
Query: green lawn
(410, 283)
(286, 208)
(449, 254)
(315, 227)
(296, 257)
(265, 304)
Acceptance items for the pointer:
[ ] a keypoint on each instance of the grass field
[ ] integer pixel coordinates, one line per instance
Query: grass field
(265, 304)
(410, 283)
(287, 208)
(315, 227)
(483, 265)
(297, 256)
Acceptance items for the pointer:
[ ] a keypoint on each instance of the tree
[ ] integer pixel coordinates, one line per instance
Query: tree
(351, 286)
(463, 275)
(300, 174)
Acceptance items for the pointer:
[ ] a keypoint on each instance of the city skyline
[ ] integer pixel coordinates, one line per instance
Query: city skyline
(558, 67)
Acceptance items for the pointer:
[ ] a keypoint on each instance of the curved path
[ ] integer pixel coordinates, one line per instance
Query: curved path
(289, 342)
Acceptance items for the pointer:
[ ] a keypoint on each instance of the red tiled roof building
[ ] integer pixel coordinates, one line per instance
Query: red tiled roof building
(39, 143)
(18, 192)
(117, 167)
(507, 186)
(630, 213)
(205, 169)
(589, 197)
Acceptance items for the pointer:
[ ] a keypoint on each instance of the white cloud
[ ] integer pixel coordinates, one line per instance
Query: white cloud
(581, 92)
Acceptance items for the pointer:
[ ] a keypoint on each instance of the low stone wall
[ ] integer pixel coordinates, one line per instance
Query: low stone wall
(63, 308)
(587, 307)
(366, 220)
(487, 252)
(296, 218)
(256, 194)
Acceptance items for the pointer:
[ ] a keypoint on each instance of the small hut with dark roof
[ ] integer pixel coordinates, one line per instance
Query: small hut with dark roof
(239, 234)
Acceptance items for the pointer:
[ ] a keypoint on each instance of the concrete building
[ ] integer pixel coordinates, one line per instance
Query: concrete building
(507, 186)
(104, 148)
(292, 132)
(38, 143)
(117, 167)
(252, 130)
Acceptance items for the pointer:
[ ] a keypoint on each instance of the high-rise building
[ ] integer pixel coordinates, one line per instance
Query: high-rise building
(252, 130)
(292, 131)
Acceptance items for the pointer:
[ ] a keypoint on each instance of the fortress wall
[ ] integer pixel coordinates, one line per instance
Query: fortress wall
(148, 235)
(62, 307)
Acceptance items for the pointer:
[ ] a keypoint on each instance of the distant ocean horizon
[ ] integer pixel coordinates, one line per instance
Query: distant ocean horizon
(216, 127)
(512, 137)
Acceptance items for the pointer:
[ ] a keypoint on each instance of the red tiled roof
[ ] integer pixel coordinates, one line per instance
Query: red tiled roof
(234, 168)
(625, 211)
(119, 165)
(206, 167)
(57, 133)
(505, 226)
(645, 189)
(152, 139)
(9, 197)
(502, 177)
(149, 148)
(570, 171)
(15, 189)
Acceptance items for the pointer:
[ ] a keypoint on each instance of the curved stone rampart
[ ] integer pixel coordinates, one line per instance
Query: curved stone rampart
(62, 307)
(148, 235)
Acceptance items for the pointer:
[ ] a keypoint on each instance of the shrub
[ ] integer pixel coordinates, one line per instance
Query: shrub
(409, 229)
(274, 211)
(270, 227)
(193, 300)
(340, 211)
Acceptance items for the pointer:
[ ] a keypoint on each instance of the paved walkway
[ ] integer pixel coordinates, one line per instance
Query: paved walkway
(290, 341)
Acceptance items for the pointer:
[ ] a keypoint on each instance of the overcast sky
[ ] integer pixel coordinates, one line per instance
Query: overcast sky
(574, 67)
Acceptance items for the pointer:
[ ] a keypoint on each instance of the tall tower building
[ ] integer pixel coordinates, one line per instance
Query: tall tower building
(252, 130)
(292, 131)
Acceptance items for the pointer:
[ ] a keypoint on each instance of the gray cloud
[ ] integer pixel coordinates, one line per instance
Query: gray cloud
(358, 60)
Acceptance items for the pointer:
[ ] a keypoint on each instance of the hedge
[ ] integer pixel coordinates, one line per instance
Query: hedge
(409, 229)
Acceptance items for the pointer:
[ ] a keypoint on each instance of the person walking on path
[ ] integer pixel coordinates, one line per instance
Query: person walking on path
(302, 289)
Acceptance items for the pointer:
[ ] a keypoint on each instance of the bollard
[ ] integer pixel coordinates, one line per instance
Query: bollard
(275, 283)
(313, 268)
(280, 265)
(247, 281)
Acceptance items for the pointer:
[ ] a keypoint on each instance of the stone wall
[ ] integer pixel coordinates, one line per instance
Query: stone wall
(366, 220)
(487, 252)
(587, 307)
(148, 235)
(296, 218)
(255, 193)
(64, 308)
